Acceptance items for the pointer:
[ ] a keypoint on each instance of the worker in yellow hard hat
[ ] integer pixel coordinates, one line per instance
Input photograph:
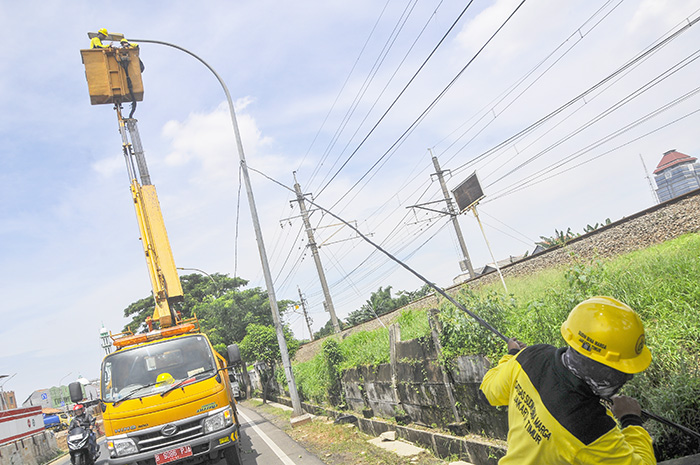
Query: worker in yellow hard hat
(96, 41)
(555, 414)
(126, 44)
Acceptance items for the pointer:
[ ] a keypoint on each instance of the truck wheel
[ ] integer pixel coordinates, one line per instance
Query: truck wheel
(232, 455)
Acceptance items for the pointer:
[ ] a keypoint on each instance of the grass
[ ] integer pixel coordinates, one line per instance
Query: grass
(337, 444)
(662, 283)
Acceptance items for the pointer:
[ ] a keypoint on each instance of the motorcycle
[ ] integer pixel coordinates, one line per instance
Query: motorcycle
(82, 446)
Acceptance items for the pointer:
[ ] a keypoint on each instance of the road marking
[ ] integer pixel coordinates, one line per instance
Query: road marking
(275, 448)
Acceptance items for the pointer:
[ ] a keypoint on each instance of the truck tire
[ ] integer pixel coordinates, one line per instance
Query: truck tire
(232, 455)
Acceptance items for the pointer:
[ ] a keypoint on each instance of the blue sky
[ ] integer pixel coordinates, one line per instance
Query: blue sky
(310, 80)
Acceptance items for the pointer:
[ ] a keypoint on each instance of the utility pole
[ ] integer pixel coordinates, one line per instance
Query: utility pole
(302, 302)
(465, 264)
(328, 303)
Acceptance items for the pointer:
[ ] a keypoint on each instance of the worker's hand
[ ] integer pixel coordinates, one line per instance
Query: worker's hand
(513, 343)
(625, 405)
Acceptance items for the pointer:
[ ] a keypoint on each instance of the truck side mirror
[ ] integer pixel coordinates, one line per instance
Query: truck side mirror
(76, 391)
(234, 354)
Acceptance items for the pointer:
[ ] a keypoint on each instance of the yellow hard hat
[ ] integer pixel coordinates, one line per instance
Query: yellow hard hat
(103, 31)
(123, 40)
(164, 379)
(609, 332)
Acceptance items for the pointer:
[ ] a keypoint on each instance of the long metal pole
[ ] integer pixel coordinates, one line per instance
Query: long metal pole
(436, 288)
(293, 393)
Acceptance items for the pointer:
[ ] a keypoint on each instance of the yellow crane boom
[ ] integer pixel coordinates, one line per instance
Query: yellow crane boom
(114, 77)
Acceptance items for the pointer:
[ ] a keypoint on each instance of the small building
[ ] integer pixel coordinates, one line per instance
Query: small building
(676, 174)
(8, 401)
(38, 398)
(56, 397)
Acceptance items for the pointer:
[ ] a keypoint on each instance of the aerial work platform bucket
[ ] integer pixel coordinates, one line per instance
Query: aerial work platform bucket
(107, 80)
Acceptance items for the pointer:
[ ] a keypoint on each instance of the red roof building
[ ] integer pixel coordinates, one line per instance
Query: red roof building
(676, 174)
(673, 158)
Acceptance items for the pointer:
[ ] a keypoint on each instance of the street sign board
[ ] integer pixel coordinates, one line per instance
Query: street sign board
(468, 193)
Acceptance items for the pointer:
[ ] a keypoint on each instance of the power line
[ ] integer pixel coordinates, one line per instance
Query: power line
(386, 85)
(491, 106)
(347, 78)
(399, 95)
(640, 57)
(647, 86)
(431, 106)
(522, 186)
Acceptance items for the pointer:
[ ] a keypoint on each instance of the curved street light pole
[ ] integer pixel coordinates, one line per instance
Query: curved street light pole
(61, 380)
(296, 404)
(216, 285)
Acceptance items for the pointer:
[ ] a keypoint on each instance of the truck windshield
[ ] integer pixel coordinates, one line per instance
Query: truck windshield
(153, 368)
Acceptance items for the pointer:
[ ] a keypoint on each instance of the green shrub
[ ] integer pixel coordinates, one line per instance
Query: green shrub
(312, 380)
(333, 358)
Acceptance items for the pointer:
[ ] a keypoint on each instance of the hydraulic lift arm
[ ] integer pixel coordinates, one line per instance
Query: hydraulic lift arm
(165, 281)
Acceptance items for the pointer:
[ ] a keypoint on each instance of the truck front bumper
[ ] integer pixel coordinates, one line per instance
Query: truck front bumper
(206, 447)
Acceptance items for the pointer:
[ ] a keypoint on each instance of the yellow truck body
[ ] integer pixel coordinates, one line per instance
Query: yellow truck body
(166, 399)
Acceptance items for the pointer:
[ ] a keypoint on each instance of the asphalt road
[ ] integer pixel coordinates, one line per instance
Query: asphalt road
(262, 443)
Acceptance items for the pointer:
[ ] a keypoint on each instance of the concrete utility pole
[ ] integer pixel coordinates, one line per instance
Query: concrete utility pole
(317, 258)
(453, 213)
(302, 302)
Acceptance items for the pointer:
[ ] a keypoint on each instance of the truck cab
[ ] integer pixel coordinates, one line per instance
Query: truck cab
(167, 399)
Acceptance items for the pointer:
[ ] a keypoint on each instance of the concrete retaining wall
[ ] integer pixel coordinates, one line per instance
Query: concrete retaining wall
(416, 388)
(34, 450)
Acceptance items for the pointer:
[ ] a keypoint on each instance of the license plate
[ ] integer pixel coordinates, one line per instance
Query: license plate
(173, 454)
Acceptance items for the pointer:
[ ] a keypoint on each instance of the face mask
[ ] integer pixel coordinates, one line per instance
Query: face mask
(603, 380)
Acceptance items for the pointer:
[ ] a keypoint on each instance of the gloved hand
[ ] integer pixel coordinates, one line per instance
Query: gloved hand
(625, 405)
(513, 343)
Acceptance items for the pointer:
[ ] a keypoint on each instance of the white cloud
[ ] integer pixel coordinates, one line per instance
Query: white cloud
(108, 167)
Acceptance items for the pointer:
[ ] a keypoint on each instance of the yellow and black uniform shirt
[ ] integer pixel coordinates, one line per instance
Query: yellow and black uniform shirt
(97, 43)
(554, 418)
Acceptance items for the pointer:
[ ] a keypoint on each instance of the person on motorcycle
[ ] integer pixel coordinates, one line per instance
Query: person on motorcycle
(83, 419)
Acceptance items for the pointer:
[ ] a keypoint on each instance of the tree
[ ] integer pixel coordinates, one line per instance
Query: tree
(139, 311)
(327, 329)
(590, 228)
(260, 345)
(196, 289)
(417, 294)
(381, 302)
(227, 319)
(222, 308)
(559, 238)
